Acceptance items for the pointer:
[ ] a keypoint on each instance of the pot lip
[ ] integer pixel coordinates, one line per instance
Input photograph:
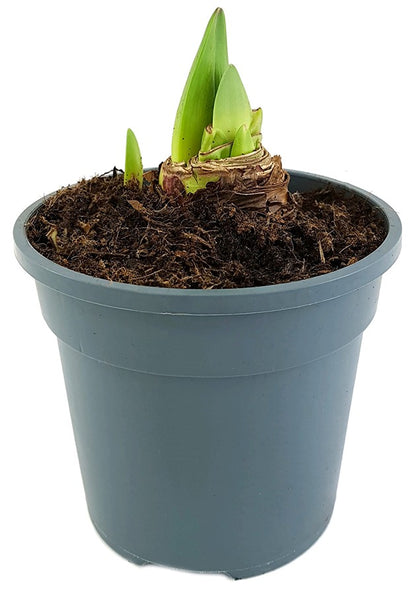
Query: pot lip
(243, 300)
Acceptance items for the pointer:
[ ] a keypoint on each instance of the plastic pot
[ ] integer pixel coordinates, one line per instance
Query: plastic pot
(210, 424)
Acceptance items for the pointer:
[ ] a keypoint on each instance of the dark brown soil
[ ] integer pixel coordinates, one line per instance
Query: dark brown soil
(102, 228)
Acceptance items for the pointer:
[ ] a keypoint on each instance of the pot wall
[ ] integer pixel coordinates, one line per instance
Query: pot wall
(210, 424)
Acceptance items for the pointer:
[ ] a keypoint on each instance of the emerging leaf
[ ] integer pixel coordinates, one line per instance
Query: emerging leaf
(256, 121)
(133, 169)
(243, 142)
(232, 107)
(197, 101)
(255, 126)
(211, 138)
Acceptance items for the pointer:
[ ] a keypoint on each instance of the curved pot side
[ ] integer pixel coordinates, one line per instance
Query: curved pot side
(210, 424)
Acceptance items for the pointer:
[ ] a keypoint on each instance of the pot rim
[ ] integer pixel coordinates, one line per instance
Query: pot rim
(246, 300)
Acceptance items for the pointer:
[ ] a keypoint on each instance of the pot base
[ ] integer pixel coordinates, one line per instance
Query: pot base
(236, 574)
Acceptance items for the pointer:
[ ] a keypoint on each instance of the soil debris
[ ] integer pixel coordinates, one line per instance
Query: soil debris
(121, 233)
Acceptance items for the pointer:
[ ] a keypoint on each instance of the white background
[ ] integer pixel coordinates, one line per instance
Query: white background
(336, 82)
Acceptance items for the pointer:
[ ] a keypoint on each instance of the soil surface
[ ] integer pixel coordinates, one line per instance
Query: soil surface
(105, 229)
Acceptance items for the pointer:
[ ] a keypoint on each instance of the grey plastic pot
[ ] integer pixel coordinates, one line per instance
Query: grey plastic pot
(210, 424)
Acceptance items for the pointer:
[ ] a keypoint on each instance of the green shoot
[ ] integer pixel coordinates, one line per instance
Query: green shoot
(211, 138)
(197, 101)
(243, 142)
(133, 168)
(235, 128)
(255, 126)
(231, 107)
(256, 121)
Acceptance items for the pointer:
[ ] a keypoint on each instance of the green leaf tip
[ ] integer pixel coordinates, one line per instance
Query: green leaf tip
(243, 142)
(133, 169)
(234, 124)
(256, 121)
(196, 105)
(231, 107)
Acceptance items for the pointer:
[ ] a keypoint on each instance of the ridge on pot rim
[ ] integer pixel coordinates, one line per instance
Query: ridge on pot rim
(267, 298)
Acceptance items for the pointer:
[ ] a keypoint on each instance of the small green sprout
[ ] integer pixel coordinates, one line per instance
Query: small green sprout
(243, 142)
(133, 166)
(232, 107)
(256, 121)
(231, 115)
